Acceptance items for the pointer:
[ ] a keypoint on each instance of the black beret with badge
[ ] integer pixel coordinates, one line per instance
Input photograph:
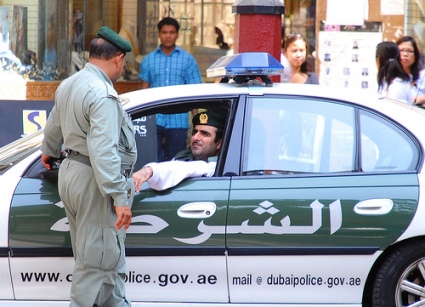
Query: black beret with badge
(111, 36)
(209, 119)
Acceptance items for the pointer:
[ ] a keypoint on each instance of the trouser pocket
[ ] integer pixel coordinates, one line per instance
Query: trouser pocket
(102, 248)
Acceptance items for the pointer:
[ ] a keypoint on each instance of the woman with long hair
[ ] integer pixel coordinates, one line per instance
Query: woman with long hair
(411, 60)
(393, 81)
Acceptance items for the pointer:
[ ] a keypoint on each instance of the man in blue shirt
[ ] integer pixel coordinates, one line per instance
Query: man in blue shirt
(169, 65)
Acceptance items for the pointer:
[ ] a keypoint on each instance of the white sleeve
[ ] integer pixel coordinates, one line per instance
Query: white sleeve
(400, 90)
(170, 173)
(420, 84)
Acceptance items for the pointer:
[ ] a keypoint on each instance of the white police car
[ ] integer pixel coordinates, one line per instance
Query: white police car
(316, 201)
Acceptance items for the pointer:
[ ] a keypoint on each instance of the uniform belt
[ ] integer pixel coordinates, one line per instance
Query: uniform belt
(127, 173)
(76, 156)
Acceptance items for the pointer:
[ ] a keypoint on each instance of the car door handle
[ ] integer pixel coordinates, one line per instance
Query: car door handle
(378, 206)
(197, 210)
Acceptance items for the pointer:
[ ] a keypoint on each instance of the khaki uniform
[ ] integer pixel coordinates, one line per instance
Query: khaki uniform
(88, 120)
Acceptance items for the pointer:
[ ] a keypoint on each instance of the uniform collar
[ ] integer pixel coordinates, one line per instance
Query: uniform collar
(96, 70)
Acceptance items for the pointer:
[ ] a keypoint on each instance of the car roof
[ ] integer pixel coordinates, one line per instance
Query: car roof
(223, 89)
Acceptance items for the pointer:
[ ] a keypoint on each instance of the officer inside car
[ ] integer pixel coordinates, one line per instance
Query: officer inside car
(198, 161)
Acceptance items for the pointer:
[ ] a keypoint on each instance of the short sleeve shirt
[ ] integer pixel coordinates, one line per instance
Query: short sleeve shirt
(159, 69)
(398, 90)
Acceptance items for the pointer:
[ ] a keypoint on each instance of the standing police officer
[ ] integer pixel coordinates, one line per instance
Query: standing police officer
(95, 182)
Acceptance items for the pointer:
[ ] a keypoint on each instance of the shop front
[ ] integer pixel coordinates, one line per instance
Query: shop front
(45, 41)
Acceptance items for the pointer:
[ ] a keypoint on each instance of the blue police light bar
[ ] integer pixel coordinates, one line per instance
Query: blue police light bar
(245, 64)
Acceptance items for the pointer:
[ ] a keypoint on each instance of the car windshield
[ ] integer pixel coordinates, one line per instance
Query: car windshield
(20, 149)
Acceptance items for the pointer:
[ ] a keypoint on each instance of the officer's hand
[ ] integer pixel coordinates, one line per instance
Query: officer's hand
(141, 176)
(124, 217)
(45, 161)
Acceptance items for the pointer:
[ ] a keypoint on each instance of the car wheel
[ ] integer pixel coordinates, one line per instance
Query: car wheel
(400, 280)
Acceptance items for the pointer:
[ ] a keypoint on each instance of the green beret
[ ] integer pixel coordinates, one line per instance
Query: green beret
(111, 36)
(209, 119)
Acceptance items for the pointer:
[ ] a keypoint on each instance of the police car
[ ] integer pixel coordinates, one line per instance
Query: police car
(316, 201)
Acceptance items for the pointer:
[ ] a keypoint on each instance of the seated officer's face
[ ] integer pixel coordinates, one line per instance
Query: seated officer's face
(202, 142)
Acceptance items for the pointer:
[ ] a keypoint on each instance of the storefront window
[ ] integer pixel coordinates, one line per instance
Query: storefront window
(49, 39)
(414, 22)
(34, 39)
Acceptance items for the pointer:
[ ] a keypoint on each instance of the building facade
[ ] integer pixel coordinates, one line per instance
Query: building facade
(45, 41)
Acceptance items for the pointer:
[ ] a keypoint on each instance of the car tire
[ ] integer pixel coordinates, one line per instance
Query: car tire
(400, 280)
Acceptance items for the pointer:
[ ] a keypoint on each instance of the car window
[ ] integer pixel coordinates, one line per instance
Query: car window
(287, 136)
(145, 128)
(293, 135)
(384, 146)
(20, 149)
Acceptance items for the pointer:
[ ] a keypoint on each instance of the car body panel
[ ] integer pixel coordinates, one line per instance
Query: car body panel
(148, 279)
(286, 279)
(35, 210)
(270, 212)
(42, 278)
(287, 231)
(151, 304)
(178, 279)
(8, 182)
(172, 231)
(153, 238)
(5, 279)
(417, 226)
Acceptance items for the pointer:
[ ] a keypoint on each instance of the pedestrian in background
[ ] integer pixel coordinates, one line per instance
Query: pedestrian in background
(393, 81)
(410, 59)
(169, 65)
(294, 59)
(94, 181)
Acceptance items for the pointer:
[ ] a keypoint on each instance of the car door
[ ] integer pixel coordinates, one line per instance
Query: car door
(320, 193)
(41, 259)
(168, 258)
(37, 255)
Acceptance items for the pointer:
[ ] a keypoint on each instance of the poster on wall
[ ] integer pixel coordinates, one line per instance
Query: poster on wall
(346, 12)
(347, 55)
(392, 7)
